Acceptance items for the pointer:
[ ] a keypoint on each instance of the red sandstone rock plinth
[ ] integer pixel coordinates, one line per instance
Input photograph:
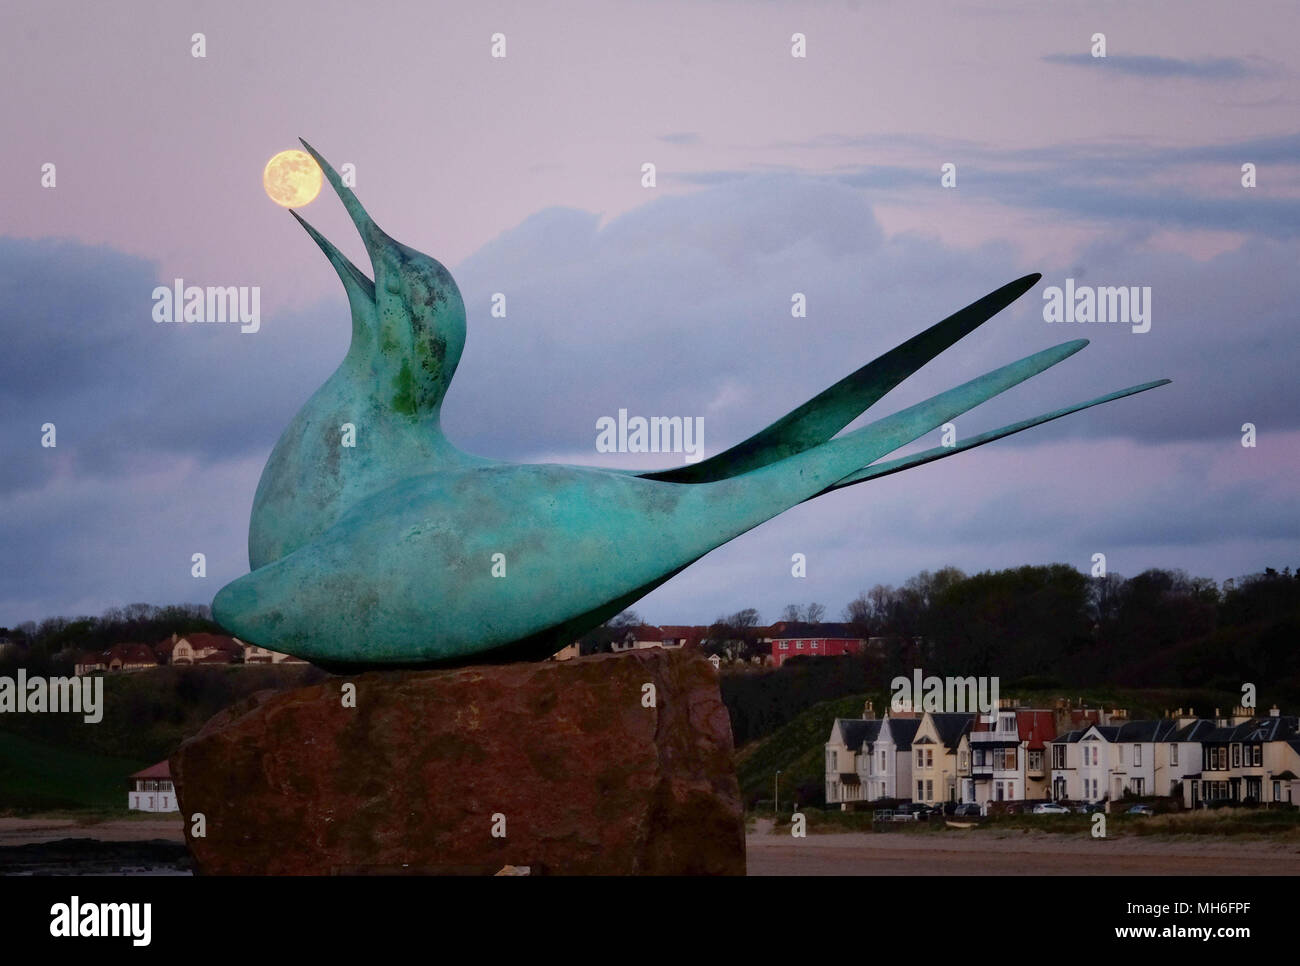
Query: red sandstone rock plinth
(564, 757)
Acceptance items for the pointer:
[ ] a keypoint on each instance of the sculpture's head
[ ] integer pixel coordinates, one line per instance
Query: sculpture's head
(408, 324)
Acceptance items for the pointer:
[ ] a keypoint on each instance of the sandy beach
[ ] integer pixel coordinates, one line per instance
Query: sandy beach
(28, 831)
(846, 853)
(1013, 853)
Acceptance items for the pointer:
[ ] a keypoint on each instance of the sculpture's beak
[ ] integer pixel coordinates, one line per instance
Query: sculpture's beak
(354, 280)
(370, 233)
(360, 288)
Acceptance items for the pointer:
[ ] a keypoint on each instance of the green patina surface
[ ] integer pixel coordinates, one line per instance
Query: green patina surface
(389, 553)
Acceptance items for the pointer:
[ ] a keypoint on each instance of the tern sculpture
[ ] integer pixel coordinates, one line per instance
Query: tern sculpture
(404, 551)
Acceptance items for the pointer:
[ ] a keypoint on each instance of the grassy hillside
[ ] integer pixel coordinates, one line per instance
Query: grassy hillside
(35, 776)
(148, 714)
(797, 749)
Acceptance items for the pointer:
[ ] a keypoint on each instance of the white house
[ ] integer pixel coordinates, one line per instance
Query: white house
(643, 636)
(150, 790)
(887, 772)
(1104, 762)
(843, 749)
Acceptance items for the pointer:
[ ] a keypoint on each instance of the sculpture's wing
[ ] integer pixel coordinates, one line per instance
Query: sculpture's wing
(827, 413)
(939, 452)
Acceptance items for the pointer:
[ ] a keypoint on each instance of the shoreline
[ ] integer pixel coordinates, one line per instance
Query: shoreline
(994, 852)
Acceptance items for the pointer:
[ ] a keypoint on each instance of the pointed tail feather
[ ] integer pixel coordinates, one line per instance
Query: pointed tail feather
(939, 452)
(746, 501)
(827, 413)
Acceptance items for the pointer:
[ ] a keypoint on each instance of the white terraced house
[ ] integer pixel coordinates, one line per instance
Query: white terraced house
(892, 757)
(997, 760)
(843, 783)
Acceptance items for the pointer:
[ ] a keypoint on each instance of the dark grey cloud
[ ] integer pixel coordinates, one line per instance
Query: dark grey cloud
(83, 352)
(1124, 183)
(1149, 66)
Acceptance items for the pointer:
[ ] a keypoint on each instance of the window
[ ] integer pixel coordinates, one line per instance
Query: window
(835, 761)
(1120, 750)
(1173, 754)
(1138, 786)
(1004, 759)
(1058, 756)
(1137, 755)
(1236, 755)
(785, 645)
(929, 758)
(929, 789)
(1277, 791)
(1258, 758)
(882, 763)
(920, 758)
(1036, 760)
(1008, 723)
(920, 789)
(798, 645)
(962, 762)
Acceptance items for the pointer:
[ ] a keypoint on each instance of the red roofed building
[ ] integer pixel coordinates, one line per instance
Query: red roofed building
(262, 655)
(812, 640)
(88, 662)
(194, 648)
(1010, 758)
(684, 635)
(151, 790)
(642, 636)
(130, 657)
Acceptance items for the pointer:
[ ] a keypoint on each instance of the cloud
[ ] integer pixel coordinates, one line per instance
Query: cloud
(83, 352)
(1121, 183)
(681, 137)
(1146, 65)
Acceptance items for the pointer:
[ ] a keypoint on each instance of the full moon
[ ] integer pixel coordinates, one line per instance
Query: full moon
(292, 178)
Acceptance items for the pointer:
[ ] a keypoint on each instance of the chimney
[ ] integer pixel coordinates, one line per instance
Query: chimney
(1273, 712)
(868, 711)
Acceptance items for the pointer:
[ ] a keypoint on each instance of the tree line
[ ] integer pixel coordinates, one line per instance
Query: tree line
(1035, 628)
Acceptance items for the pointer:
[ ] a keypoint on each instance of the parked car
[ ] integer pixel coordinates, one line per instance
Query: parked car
(966, 808)
(1050, 808)
(1141, 810)
(916, 810)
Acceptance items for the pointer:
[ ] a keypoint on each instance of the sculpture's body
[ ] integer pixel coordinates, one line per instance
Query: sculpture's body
(386, 554)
